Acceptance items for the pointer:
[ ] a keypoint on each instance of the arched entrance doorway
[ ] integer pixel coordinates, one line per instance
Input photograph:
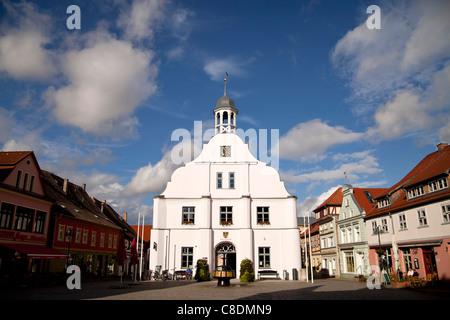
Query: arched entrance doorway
(226, 255)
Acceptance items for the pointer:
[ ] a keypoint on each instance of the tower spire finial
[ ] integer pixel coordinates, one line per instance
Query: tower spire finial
(225, 84)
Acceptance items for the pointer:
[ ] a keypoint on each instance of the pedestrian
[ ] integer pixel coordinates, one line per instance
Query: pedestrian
(189, 274)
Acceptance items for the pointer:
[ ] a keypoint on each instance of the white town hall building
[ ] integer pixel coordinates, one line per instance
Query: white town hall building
(226, 206)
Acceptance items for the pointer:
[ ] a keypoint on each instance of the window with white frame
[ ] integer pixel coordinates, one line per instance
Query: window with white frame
(357, 234)
(446, 213)
(349, 234)
(422, 217)
(188, 215)
(384, 203)
(343, 235)
(219, 180)
(438, 184)
(384, 225)
(374, 227)
(187, 257)
(232, 181)
(402, 221)
(264, 257)
(415, 192)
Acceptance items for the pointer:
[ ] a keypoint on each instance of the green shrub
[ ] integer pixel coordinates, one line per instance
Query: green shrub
(247, 273)
(202, 271)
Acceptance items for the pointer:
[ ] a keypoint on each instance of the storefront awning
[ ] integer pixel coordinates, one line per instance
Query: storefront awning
(35, 251)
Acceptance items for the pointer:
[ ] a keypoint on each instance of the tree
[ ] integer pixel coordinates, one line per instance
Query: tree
(247, 273)
(202, 271)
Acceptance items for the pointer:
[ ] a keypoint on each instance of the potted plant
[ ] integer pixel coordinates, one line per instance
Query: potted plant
(226, 222)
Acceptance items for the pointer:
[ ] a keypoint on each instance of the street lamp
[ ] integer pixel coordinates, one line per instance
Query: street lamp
(378, 231)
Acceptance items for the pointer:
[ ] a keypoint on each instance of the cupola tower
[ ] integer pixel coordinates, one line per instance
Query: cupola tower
(225, 113)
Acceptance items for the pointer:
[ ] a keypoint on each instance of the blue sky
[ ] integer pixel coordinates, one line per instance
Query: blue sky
(98, 105)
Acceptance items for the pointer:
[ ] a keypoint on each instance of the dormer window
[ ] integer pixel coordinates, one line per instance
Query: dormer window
(384, 203)
(415, 192)
(438, 184)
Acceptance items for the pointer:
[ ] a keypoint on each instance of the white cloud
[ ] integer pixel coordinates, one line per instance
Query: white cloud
(22, 49)
(402, 70)
(140, 19)
(152, 178)
(108, 81)
(403, 114)
(216, 67)
(308, 141)
(355, 165)
(307, 206)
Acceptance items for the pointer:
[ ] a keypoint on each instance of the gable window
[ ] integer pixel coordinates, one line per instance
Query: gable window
(19, 178)
(402, 221)
(31, 184)
(262, 215)
(231, 176)
(422, 216)
(25, 181)
(187, 257)
(6, 215)
(226, 215)
(264, 257)
(219, 180)
(446, 213)
(188, 215)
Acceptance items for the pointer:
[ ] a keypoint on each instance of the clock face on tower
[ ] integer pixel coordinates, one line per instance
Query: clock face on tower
(225, 151)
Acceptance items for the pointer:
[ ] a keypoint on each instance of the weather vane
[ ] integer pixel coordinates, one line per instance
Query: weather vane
(225, 82)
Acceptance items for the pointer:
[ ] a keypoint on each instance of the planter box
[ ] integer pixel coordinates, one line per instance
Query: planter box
(400, 284)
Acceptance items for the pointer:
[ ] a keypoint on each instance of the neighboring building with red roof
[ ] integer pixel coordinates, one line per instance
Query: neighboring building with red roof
(351, 229)
(25, 210)
(342, 214)
(411, 222)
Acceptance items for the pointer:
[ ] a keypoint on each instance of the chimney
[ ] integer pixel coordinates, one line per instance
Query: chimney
(125, 217)
(103, 202)
(66, 183)
(441, 146)
(83, 186)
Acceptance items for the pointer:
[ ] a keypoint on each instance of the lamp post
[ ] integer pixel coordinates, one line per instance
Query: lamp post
(379, 230)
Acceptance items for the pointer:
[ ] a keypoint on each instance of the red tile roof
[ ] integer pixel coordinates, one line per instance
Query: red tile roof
(434, 165)
(8, 158)
(336, 198)
(147, 231)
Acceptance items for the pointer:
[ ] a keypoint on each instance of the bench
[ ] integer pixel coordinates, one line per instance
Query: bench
(268, 274)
